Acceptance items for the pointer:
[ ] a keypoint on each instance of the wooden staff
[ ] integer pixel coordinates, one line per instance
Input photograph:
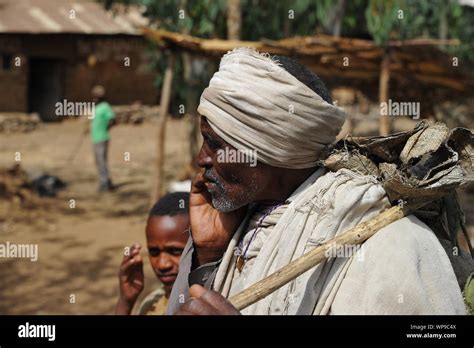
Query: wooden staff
(355, 235)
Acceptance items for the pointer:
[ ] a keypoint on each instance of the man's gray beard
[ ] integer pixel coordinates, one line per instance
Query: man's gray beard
(224, 205)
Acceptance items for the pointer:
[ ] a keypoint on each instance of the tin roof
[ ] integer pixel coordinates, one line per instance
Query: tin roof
(66, 16)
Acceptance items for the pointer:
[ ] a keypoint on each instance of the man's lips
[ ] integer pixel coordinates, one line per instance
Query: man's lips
(210, 184)
(169, 278)
(208, 179)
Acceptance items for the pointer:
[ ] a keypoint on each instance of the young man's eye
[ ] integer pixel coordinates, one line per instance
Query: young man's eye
(154, 252)
(176, 252)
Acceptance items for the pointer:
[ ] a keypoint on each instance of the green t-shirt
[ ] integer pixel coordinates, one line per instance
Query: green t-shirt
(100, 122)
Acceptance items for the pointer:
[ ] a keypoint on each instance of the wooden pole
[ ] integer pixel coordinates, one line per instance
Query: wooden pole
(385, 124)
(355, 235)
(190, 100)
(162, 117)
(191, 107)
(234, 20)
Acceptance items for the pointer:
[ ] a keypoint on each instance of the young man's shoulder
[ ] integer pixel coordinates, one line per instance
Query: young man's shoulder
(155, 303)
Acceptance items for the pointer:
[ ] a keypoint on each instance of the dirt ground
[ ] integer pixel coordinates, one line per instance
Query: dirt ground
(80, 249)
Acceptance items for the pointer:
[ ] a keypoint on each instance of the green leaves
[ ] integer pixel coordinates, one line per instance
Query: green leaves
(383, 17)
(270, 19)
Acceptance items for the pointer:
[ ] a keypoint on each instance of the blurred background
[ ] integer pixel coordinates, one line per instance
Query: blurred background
(154, 58)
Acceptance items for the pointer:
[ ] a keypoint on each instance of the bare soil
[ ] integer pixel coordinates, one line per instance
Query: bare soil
(80, 248)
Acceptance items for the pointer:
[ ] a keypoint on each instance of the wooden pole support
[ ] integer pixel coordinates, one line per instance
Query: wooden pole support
(355, 235)
(162, 118)
(385, 121)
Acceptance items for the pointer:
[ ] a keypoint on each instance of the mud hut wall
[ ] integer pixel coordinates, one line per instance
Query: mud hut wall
(116, 61)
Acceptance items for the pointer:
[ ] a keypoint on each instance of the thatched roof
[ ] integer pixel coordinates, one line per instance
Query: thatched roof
(419, 70)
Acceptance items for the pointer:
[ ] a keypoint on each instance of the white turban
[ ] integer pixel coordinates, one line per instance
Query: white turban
(256, 105)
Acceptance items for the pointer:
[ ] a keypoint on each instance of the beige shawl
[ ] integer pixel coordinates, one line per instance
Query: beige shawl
(323, 207)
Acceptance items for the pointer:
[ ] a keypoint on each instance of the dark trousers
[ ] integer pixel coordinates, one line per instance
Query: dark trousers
(100, 151)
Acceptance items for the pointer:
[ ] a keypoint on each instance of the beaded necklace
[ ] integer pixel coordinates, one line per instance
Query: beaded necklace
(241, 258)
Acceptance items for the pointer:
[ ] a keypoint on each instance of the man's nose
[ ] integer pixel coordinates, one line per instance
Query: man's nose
(203, 159)
(164, 262)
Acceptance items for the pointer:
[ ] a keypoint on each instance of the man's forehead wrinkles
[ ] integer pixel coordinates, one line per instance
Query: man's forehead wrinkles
(212, 134)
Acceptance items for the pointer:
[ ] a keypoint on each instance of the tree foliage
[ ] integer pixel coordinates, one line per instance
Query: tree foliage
(380, 20)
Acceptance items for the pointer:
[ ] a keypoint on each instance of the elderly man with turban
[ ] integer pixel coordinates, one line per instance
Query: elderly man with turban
(249, 221)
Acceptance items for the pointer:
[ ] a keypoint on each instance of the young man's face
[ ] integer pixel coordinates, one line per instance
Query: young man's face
(166, 237)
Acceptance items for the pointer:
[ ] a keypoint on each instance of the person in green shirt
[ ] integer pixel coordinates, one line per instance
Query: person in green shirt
(102, 120)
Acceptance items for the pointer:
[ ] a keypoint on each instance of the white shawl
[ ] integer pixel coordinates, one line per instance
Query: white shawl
(323, 206)
(405, 269)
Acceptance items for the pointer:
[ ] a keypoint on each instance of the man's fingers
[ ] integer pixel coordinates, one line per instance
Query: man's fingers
(127, 265)
(196, 306)
(198, 183)
(199, 193)
(219, 302)
(138, 260)
(197, 291)
(213, 299)
(134, 250)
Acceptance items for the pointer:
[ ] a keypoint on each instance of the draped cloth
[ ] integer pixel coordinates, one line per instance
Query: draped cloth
(324, 206)
(256, 105)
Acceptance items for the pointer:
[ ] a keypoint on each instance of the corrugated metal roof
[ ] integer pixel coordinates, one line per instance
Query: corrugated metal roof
(66, 16)
(467, 2)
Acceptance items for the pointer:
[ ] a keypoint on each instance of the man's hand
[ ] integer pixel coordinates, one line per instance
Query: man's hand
(211, 230)
(206, 302)
(131, 280)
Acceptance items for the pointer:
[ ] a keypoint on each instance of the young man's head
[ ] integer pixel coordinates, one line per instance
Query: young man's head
(167, 231)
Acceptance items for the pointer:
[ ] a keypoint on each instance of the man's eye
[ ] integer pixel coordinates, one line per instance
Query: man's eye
(154, 252)
(213, 144)
(176, 252)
